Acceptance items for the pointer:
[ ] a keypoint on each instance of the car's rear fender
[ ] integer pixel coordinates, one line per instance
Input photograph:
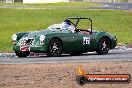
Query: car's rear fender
(111, 39)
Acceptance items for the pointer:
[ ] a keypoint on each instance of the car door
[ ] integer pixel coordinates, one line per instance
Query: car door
(85, 42)
(77, 42)
(70, 42)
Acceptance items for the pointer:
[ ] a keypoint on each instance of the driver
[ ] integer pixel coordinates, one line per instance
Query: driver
(68, 22)
(70, 26)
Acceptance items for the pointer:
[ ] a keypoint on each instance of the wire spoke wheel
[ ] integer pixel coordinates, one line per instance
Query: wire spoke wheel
(104, 46)
(54, 48)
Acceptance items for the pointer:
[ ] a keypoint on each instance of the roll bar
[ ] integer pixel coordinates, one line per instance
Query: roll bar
(81, 18)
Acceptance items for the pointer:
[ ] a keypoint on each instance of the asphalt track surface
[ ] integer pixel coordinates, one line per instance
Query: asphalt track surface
(115, 6)
(114, 55)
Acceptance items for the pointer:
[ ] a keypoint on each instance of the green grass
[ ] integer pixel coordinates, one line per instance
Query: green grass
(116, 22)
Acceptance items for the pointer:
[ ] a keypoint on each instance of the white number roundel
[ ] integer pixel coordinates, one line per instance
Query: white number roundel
(86, 40)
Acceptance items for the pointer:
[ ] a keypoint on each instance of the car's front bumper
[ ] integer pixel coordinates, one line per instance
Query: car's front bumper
(37, 49)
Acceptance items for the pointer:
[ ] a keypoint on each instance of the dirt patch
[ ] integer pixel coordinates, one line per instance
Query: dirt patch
(59, 75)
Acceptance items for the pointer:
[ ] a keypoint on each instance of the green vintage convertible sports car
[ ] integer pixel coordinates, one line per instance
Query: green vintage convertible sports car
(65, 37)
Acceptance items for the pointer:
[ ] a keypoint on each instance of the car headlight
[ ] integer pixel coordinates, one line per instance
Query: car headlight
(42, 38)
(14, 37)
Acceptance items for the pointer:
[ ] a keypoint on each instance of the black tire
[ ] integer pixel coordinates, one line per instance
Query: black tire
(22, 54)
(104, 46)
(81, 80)
(54, 48)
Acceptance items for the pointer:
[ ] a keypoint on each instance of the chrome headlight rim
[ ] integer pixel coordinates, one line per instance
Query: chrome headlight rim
(42, 38)
(14, 37)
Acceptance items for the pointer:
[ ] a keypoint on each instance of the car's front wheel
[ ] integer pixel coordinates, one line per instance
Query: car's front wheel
(54, 48)
(22, 54)
(104, 46)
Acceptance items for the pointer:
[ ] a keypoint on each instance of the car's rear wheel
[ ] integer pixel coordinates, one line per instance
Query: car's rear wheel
(104, 46)
(22, 54)
(54, 48)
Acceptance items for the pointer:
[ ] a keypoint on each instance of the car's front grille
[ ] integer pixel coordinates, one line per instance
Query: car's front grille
(26, 42)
